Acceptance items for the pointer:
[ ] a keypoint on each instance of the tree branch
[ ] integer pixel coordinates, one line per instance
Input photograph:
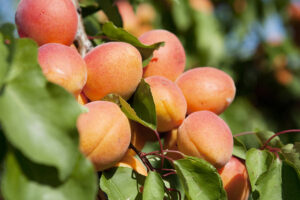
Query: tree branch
(84, 44)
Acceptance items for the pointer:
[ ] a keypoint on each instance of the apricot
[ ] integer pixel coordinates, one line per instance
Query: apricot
(205, 135)
(104, 134)
(132, 162)
(130, 21)
(235, 180)
(113, 67)
(140, 135)
(167, 61)
(170, 104)
(82, 99)
(47, 21)
(64, 66)
(206, 88)
(170, 143)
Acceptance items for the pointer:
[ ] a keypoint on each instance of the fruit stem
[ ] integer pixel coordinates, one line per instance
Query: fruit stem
(279, 133)
(161, 148)
(142, 157)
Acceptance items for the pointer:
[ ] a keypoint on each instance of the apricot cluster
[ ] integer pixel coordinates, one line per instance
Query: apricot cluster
(187, 104)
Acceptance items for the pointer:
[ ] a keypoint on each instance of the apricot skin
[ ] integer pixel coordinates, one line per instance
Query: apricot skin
(104, 134)
(235, 180)
(113, 67)
(168, 60)
(206, 88)
(64, 66)
(132, 162)
(82, 99)
(47, 21)
(205, 135)
(170, 143)
(170, 104)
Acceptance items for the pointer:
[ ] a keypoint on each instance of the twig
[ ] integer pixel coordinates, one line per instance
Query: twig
(279, 133)
(84, 44)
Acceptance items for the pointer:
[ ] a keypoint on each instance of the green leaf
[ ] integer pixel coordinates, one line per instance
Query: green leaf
(143, 104)
(181, 13)
(154, 187)
(108, 6)
(263, 136)
(38, 117)
(3, 61)
(239, 149)
(290, 182)
(200, 179)
(291, 153)
(265, 174)
(119, 34)
(16, 185)
(122, 183)
(127, 109)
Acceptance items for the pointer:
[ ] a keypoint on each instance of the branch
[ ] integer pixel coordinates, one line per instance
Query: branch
(84, 44)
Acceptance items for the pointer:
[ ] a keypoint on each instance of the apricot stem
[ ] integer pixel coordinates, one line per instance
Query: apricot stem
(279, 133)
(172, 189)
(161, 148)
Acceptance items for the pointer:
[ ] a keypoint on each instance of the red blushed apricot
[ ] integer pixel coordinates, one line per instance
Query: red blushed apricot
(132, 162)
(47, 21)
(130, 22)
(167, 61)
(113, 67)
(169, 101)
(206, 88)
(205, 135)
(235, 180)
(170, 143)
(64, 66)
(104, 134)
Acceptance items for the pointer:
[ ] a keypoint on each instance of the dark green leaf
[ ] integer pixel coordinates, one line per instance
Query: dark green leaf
(127, 109)
(264, 171)
(2, 146)
(119, 34)
(263, 136)
(122, 183)
(143, 104)
(290, 182)
(16, 185)
(3, 61)
(292, 154)
(38, 117)
(108, 6)
(200, 179)
(154, 187)
(239, 149)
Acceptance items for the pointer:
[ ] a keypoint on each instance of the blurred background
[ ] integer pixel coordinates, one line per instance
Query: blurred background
(257, 42)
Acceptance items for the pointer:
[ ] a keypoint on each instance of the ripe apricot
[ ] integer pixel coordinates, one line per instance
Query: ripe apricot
(82, 99)
(206, 88)
(64, 66)
(140, 135)
(104, 134)
(128, 16)
(205, 135)
(132, 162)
(47, 21)
(167, 61)
(170, 104)
(113, 67)
(235, 180)
(170, 143)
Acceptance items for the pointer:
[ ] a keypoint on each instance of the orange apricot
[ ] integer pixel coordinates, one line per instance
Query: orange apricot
(170, 104)
(82, 99)
(206, 88)
(235, 180)
(132, 162)
(47, 21)
(170, 143)
(113, 67)
(64, 66)
(205, 135)
(104, 134)
(168, 60)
